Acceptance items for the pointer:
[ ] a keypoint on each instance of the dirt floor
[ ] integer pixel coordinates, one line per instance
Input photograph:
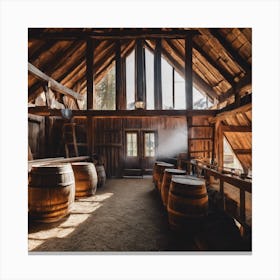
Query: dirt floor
(125, 215)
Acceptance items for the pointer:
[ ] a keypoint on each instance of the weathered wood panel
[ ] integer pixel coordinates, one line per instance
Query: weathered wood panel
(109, 138)
(36, 135)
(201, 138)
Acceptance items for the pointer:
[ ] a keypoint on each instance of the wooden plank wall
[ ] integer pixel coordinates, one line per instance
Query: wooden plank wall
(109, 138)
(36, 135)
(200, 138)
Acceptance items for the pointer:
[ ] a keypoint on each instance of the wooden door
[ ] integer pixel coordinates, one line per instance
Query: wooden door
(140, 151)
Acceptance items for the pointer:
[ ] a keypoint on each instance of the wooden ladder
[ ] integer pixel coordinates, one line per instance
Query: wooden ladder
(200, 136)
(70, 140)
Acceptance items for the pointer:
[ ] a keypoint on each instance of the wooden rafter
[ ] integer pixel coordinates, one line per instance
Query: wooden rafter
(103, 64)
(245, 81)
(52, 83)
(53, 67)
(226, 45)
(214, 64)
(196, 78)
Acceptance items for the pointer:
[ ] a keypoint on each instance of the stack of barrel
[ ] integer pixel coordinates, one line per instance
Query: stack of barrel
(53, 188)
(185, 197)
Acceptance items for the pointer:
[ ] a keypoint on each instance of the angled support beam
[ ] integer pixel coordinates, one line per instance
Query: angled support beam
(52, 83)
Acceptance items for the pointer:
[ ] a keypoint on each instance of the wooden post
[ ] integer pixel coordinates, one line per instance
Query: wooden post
(222, 192)
(157, 76)
(90, 89)
(219, 144)
(242, 205)
(188, 73)
(189, 125)
(173, 87)
(47, 95)
(140, 94)
(120, 93)
(89, 74)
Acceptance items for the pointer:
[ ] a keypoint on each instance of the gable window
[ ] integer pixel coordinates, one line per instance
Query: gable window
(179, 94)
(166, 76)
(200, 101)
(105, 91)
(230, 159)
(130, 81)
(131, 144)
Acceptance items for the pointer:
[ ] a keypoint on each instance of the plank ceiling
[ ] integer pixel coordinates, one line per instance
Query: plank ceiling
(222, 57)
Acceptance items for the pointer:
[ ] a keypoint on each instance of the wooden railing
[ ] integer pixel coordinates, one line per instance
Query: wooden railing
(244, 185)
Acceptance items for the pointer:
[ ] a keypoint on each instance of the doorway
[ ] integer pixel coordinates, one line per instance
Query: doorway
(140, 151)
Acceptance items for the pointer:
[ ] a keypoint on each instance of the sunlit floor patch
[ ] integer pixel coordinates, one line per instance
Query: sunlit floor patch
(80, 211)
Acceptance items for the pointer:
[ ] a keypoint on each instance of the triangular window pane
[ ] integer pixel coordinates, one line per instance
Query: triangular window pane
(230, 159)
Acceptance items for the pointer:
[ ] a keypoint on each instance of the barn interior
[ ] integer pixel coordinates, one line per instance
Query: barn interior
(139, 139)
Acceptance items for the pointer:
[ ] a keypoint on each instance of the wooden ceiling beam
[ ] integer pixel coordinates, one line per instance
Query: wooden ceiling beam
(52, 83)
(44, 111)
(236, 128)
(236, 88)
(242, 151)
(131, 33)
(227, 46)
(231, 110)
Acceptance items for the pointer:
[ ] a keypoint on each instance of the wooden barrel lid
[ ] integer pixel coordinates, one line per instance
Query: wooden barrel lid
(82, 163)
(174, 171)
(158, 162)
(52, 167)
(188, 177)
(186, 181)
(165, 164)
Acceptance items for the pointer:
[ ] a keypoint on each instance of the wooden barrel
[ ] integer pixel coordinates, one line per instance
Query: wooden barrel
(166, 182)
(51, 191)
(85, 178)
(101, 175)
(187, 202)
(154, 170)
(191, 177)
(160, 167)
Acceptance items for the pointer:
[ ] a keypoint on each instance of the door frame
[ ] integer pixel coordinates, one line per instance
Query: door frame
(140, 148)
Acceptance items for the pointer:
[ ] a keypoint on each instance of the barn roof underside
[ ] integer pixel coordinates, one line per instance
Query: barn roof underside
(222, 64)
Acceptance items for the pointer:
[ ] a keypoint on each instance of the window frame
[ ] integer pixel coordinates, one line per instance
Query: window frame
(126, 143)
